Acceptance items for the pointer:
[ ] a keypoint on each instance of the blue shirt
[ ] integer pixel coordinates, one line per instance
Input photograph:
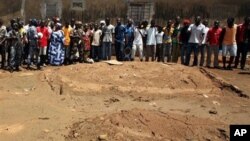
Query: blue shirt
(130, 34)
(119, 33)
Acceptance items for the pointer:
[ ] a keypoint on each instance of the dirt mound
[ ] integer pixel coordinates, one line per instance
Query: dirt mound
(146, 125)
(133, 78)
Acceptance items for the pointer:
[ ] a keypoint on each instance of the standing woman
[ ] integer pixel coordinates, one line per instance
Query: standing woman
(56, 50)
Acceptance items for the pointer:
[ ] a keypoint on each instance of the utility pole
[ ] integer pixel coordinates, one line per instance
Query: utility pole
(23, 10)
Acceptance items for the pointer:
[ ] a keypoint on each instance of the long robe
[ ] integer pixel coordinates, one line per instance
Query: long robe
(56, 49)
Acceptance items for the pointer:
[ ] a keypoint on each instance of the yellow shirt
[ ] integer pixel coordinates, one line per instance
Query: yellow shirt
(230, 36)
(67, 32)
(168, 35)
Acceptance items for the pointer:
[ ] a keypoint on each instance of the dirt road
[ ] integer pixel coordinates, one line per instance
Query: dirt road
(132, 102)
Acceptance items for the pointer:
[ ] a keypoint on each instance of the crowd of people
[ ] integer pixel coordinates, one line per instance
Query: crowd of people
(49, 42)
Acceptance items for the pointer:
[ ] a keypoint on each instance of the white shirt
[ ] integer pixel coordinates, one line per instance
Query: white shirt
(137, 37)
(151, 36)
(205, 35)
(159, 37)
(107, 32)
(96, 38)
(196, 33)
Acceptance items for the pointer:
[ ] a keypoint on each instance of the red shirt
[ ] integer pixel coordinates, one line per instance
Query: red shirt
(241, 33)
(214, 36)
(43, 42)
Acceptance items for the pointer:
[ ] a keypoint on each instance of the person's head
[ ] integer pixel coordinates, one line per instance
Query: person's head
(42, 24)
(205, 22)
(169, 23)
(230, 22)
(186, 23)
(130, 22)
(67, 24)
(12, 21)
(96, 27)
(72, 22)
(118, 21)
(20, 24)
(78, 24)
(177, 20)
(159, 28)
(216, 24)
(15, 26)
(86, 27)
(247, 20)
(58, 26)
(107, 21)
(197, 20)
(152, 23)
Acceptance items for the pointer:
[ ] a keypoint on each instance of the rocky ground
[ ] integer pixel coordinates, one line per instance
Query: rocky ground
(130, 102)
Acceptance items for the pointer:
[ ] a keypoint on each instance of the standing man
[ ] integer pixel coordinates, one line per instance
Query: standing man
(3, 48)
(242, 43)
(167, 47)
(175, 40)
(32, 36)
(43, 42)
(184, 37)
(197, 32)
(119, 40)
(15, 48)
(229, 44)
(214, 34)
(137, 43)
(96, 44)
(108, 31)
(204, 43)
(129, 38)
(151, 42)
(67, 31)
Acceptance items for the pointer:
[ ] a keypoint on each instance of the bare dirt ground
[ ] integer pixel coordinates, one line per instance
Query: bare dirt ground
(132, 102)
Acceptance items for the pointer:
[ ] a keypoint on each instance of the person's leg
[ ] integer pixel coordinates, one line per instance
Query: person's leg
(140, 52)
(148, 50)
(244, 55)
(216, 56)
(163, 52)
(183, 54)
(81, 53)
(195, 48)
(239, 53)
(99, 54)
(109, 51)
(153, 50)
(93, 54)
(224, 55)
(133, 51)
(38, 58)
(233, 53)
(121, 51)
(188, 54)
(3, 56)
(202, 52)
(157, 53)
(169, 52)
(117, 50)
(12, 58)
(30, 55)
(18, 57)
(175, 53)
(210, 51)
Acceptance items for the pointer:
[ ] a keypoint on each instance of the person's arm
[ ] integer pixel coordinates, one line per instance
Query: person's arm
(238, 34)
(222, 35)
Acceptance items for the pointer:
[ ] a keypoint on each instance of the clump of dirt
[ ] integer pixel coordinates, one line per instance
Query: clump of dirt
(147, 125)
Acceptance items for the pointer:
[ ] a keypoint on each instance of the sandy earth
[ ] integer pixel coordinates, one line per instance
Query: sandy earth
(132, 102)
